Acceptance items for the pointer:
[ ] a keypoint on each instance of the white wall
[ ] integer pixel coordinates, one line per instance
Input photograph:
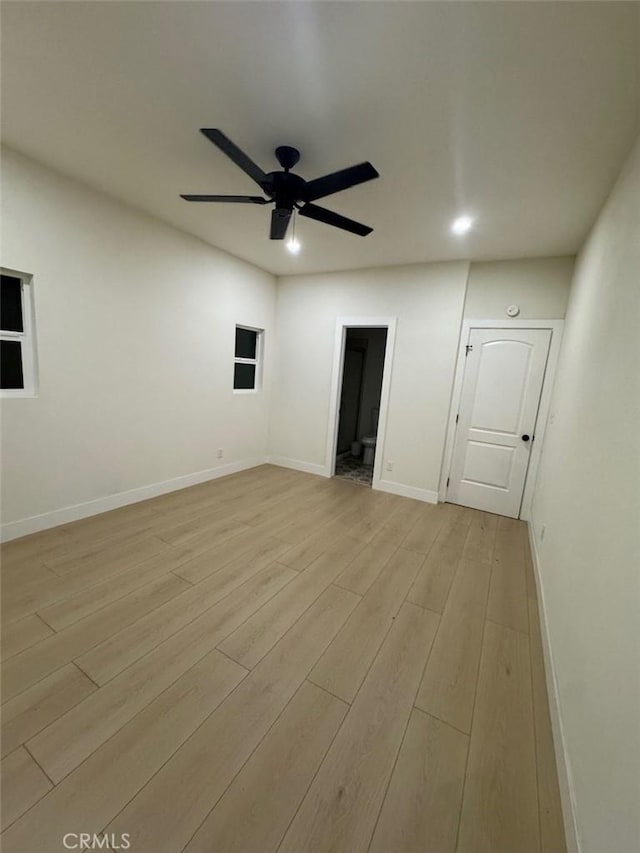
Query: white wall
(539, 286)
(427, 301)
(588, 496)
(135, 334)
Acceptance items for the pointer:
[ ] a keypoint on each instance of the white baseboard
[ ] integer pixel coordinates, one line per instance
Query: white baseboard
(36, 523)
(298, 465)
(565, 782)
(414, 492)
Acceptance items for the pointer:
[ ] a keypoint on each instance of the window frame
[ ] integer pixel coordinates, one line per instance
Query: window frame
(257, 361)
(26, 338)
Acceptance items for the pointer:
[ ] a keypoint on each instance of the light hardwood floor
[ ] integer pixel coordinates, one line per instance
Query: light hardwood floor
(277, 662)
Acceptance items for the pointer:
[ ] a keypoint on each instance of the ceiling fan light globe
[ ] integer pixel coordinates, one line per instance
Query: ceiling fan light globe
(462, 225)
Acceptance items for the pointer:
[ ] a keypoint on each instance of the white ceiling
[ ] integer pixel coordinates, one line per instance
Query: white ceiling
(519, 113)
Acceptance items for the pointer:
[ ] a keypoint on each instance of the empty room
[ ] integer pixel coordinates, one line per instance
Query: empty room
(320, 384)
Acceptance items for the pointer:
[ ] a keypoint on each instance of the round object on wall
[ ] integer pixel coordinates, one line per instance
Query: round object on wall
(513, 310)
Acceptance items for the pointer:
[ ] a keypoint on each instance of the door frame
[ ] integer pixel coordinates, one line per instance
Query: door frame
(342, 324)
(556, 328)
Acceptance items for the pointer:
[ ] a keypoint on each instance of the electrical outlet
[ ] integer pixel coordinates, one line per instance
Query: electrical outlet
(552, 418)
(543, 530)
(389, 465)
(220, 453)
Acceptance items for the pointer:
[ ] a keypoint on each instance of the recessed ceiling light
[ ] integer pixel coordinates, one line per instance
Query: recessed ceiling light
(462, 225)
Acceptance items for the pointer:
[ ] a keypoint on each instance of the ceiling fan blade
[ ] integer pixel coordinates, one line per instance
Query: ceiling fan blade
(335, 219)
(234, 153)
(240, 199)
(279, 223)
(338, 181)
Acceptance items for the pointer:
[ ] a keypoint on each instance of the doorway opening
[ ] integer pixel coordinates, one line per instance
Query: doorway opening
(359, 405)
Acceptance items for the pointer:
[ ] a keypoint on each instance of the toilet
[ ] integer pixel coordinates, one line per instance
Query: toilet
(369, 441)
(369, 449)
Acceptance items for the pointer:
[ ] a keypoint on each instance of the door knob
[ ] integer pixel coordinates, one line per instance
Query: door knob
(525, 437)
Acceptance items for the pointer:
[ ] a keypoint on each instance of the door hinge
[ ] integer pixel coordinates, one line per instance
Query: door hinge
(468, 348)
(448, 478)
(457, 416)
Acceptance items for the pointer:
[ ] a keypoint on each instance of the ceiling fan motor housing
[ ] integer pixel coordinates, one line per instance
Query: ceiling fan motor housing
(285, 187)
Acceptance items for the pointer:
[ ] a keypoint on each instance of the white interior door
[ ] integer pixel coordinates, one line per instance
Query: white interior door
(504, 372)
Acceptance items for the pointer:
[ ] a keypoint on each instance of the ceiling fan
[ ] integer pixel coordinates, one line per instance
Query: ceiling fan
(288, 191)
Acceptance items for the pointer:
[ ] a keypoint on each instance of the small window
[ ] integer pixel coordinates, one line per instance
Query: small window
(247, 359)
(17, 345)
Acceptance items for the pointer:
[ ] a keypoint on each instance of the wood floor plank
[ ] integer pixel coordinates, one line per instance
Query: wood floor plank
(457, 514)
(469, 516)
(255, 637)
(552, 837)
(264, 496)
(113, 558)
(479, 543)
(88, 600)
(210, 540)
(256, 809)
(271, 511)
(27, 668)
(286, 520)
(33, 547)
(171, 807)
(508, 588)
(423, 534)
(57, 589)
(34, 709)
(431, 586)
(20, 635)
(220, 524)
(21, 577)
(402, 519)
(97, 530)
(175, 511)
(87, 799)
(342, 668)
(421, 809)
(217, 491)
(301, 556)
(104, 661)
(448, 688)
(63, 745)
(22, 782)
(204, 497)
(309, 522)
(22, 600)
(341, 807)
(364, 529)
(500, 805)
(95, 526)
(362, 572)
(202, 565)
